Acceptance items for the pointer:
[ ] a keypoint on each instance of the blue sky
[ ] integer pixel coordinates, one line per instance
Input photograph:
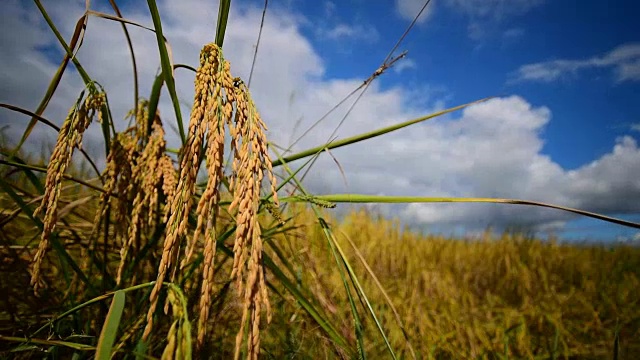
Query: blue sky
(563, 129)
(591, 108)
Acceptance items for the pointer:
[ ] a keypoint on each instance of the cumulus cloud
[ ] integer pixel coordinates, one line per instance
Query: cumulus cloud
(489, 150)
(492, 150)
(624, 60)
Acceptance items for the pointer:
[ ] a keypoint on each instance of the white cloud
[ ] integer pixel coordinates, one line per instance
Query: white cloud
(491, 149)
(610, 183)
(633, 239)
(408, 9)
(485, 16)
(623, 60)
(347, 32)
(404, 64)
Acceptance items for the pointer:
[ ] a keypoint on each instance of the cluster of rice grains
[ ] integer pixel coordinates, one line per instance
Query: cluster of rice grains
(216, 93)
(142, 189)
(78, 120)
(141, 167)
(136, 167)
(179, 337)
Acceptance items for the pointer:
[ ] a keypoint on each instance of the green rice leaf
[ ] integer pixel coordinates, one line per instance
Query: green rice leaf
(167, 68)
(72, 345)
(110, 327)
(223, 16)
(369, 135)
(359, 198)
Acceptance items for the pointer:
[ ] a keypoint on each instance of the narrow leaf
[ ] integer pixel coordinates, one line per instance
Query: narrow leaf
(110, 327)
(68, 344)
(359, 198)
(369, 135)
(223, 16)
(167, 68)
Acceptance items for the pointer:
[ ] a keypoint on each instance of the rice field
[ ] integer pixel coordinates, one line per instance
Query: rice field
(179, 254)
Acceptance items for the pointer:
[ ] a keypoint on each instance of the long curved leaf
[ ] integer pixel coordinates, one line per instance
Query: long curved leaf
(359, 198)
(72, 345)
(53, 85)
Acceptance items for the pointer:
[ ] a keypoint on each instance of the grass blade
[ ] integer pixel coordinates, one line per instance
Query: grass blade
(616, 342)
(53, 85)
(359, 198)
(320, 319)
(154, 98)
(223, 16)
(72, 345)
(44, 170)
(133, 57)
(329, 329)
(167, 68)
(369, 135)
(340, 258)
(354, 311)
(384, 294)
(360, 291)
(110, 327)
(91, 302)
(37, 184)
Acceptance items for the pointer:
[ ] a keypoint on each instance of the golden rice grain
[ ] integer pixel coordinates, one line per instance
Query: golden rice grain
(169, 182)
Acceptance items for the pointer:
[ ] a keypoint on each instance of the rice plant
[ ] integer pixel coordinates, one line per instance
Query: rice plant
(145, 258)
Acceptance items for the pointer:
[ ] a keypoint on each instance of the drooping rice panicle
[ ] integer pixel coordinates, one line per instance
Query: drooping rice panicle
(207, 94)
(251, 160)
(207, 209)
(179, 337)
(146, 179)
(70, 136)
(216, 92)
